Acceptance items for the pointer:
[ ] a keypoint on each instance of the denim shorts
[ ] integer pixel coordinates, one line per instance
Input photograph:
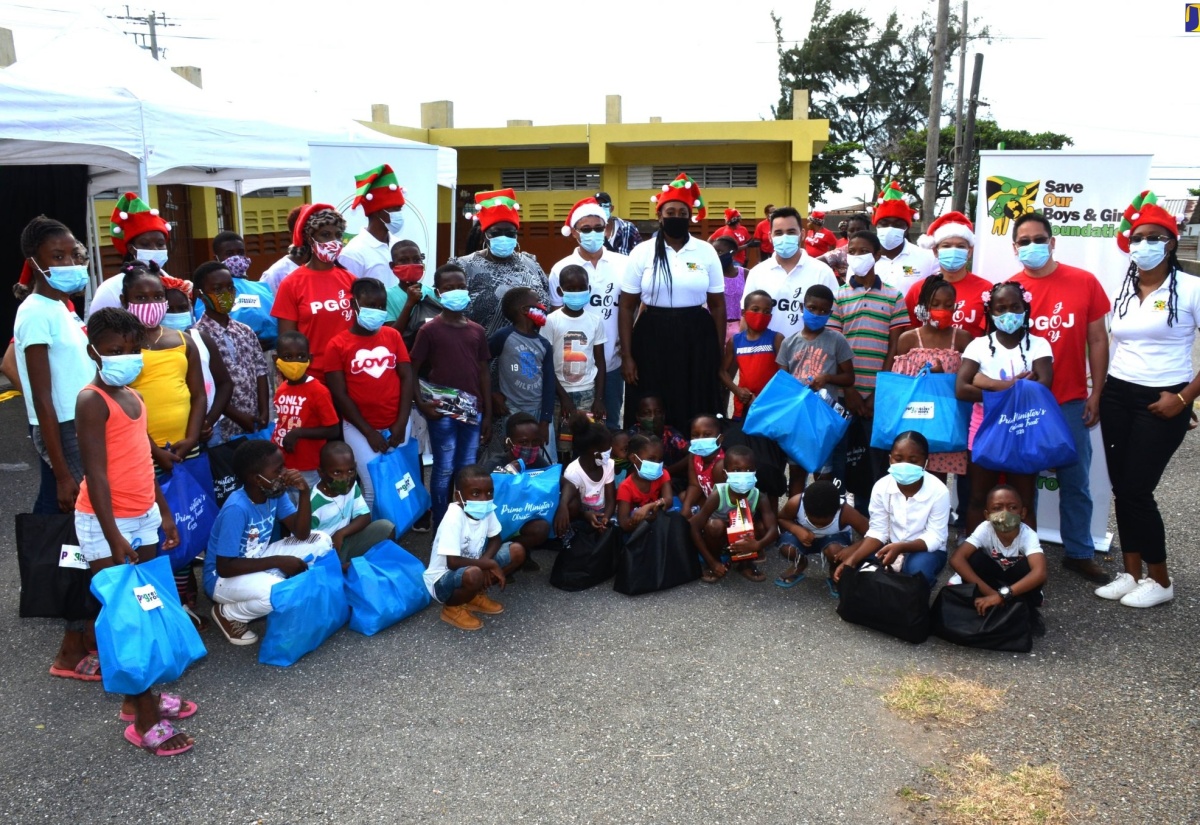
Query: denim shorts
(819, 542)
(139, 531)
(451, 580)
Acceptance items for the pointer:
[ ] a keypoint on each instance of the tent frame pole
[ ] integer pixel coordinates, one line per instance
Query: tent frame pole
(96, 276)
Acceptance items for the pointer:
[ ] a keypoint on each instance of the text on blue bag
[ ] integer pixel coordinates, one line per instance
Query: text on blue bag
(521, 498)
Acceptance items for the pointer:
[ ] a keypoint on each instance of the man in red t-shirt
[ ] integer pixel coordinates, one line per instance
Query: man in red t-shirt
(951, 237)
(818, 240)
(1068, 310)
(733, 229)
(762, 235)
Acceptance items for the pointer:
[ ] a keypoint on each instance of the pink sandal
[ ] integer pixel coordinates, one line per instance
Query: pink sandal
(170, 706)
(88, 669)
(152, 739)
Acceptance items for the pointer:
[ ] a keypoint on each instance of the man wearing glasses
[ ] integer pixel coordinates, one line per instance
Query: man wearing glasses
(620, 236)
(1068, 310)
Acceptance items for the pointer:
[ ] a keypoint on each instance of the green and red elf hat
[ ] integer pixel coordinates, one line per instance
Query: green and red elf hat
(1144, 210)
(686, 191)
(132, 217)
(377, 189)
(497, 207)
(891, 204)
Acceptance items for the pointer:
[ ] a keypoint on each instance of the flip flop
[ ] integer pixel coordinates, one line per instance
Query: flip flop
(785, 582)
(152, 739)
(751, 572)
(170, 706)
(88, 670)
(709, 577)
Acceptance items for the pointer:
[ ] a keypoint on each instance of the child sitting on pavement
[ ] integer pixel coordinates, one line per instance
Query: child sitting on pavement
(339, 509)
(647, 489)
(710, 526)
(817, 521)
(707, 464)
(651, 422)
(523, 452)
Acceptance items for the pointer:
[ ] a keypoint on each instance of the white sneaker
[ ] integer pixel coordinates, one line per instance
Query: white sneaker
(1118, 588)
(1149, 593)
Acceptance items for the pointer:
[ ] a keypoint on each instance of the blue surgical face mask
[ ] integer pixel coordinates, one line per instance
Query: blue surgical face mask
(394, 221)
(576, 300)
(1147, 254)
(591, 242)
(702, 446)
(905, 473)
(177, 320)
(890, 237)
(814, 321)
(68, 279)
(477, 510)
(502, 246)
(649, 470)
(742, 483)
(952, 258)
(119, 370)
(786, 245)
(1034, 255)
(371, 319)
(455, 300)
(1009, 322)
(607, 210)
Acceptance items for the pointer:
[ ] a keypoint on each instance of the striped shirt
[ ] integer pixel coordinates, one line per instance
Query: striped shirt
(866, 316)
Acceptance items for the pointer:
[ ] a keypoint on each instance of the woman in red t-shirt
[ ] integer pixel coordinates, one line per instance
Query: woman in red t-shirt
(315, 299)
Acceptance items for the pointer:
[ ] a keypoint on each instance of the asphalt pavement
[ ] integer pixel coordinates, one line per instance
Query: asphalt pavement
(739, 702)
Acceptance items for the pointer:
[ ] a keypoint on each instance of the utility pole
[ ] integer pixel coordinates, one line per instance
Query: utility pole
(962, 181)
(935, 113)
(153, 21)
(958, 115)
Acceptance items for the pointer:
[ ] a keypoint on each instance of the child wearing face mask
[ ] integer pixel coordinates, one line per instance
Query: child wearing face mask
(588, 493)
(1007, 354)
(726, 244)
(369, 375)
(523, 365)
(733, 503)
(339, 509)
(468, 554)
(577, 340)
(1002, 557)
(751, 354)
(524, 452)
(647, 489)
(651, 422)
(243, 563)
(305, 417)
(707, 465)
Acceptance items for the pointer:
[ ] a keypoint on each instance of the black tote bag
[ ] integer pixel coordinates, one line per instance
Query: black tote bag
(657, 555)
(882, 600)
(587, 559)
(1007, 627)
(55, 580)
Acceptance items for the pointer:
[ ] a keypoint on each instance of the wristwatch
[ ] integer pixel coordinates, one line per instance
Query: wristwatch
(1005, 593)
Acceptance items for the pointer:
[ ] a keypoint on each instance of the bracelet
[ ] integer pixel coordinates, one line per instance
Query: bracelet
(1179, 395)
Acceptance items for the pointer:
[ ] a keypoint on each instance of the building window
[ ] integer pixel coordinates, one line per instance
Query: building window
(712, 175)
(555, 179)
(276, 192)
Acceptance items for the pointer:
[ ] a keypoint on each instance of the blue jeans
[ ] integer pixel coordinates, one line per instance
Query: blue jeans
(451, 580)
(1074, 490)
(819, 542)
(614, 393)
(454, 445)
(927, 565)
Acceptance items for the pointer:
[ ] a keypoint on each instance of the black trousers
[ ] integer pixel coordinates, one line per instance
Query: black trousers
(1138, 445)
(990, 571)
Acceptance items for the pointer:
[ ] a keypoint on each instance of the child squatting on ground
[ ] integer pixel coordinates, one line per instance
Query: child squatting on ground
(735, 521)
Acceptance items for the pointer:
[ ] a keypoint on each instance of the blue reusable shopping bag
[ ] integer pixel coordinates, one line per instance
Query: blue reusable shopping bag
(261, 435)
(797, 419)
(142, 633)
(193, 506)
(383, 586)
(522, 498)
(400, 495)
(1023, 431)
(924, 402)
(305, 611)
(252, 307)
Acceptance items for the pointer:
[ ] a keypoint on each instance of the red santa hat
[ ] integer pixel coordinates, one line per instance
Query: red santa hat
(496, 207)
(132, 217)
(1144, 210)
(730, 214)
(950, 225)
(377, 189)
(683, 190)
(586, 208)
(306, 212)
(891, 204)
(817, 215)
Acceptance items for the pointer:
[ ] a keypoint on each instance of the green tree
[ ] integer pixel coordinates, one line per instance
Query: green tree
(909, 154)
(872, 84)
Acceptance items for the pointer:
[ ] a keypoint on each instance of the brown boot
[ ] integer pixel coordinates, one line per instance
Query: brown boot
(482, 604)
(460, 617)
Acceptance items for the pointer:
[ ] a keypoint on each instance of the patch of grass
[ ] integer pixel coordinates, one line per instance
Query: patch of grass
(981, 795)
(911, 795)
(940, 697)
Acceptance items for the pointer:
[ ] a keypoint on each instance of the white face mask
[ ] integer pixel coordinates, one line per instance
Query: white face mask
(860, 265)
(158, 256)
(891, 236)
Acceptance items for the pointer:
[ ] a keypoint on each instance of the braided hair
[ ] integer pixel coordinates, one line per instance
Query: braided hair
(1129, 288)
(932, 284)
(1022, 345)
(38, 231)
(317, 220)
(661, 263)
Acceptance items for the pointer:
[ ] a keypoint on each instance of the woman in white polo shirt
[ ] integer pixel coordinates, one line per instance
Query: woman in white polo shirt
(674, 350)
(1147, 398)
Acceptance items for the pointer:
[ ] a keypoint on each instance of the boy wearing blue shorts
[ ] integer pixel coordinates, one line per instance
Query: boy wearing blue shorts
(817, 521)
(468, 555)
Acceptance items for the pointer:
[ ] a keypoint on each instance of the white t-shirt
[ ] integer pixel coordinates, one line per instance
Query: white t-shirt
(591, 493)
(1025, 544)
(47, 322)
(605, 281)
(695, 272)
(1145, 350)
(366, 257)
(571, 341)
(277, 271)
(832, 528)
(1006, 363)
(787, 289)
(911, 265)
(461, 536)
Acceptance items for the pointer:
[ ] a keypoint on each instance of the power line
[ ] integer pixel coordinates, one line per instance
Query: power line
(147, 40)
